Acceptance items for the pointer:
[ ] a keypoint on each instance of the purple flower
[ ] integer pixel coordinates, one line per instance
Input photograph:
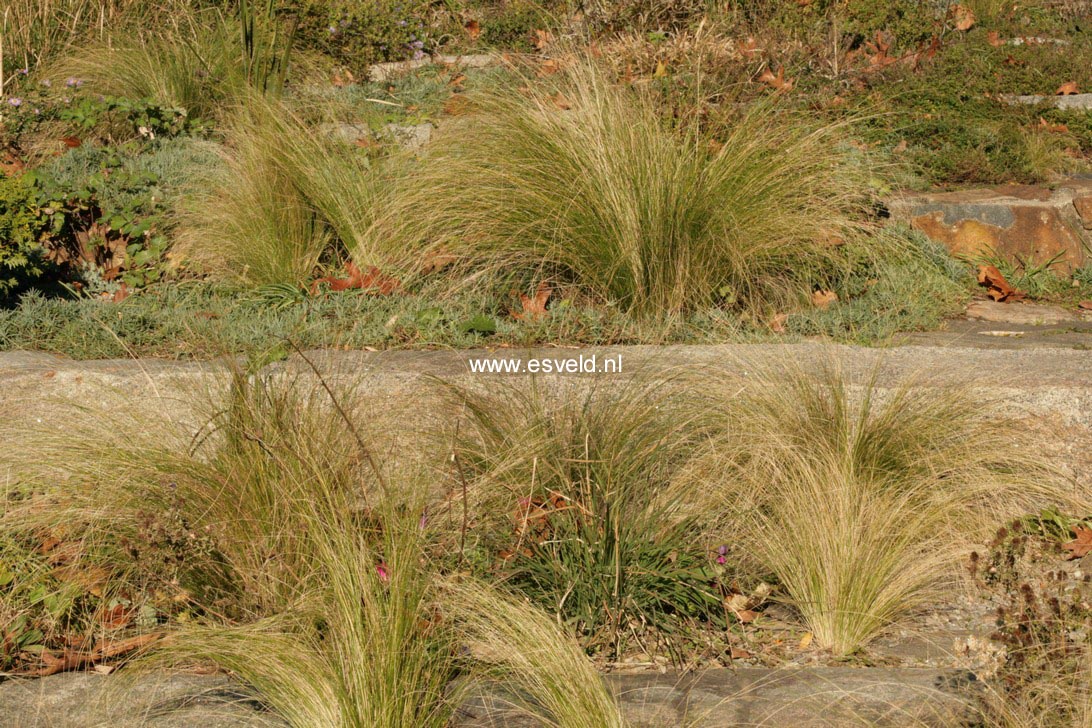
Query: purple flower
(24, 71)
(73, 82)
(722, 560)
(46, 82)
(402, 23)
(722, 554)
(381, 570)
(15, 101)
(332, 29)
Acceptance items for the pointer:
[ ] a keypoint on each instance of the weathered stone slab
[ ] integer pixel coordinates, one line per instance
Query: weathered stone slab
(385, 71)
(1068, 102)
(127, 700)
(803, 698)
(1045, 390)
(1034, 224)
(1030, 314)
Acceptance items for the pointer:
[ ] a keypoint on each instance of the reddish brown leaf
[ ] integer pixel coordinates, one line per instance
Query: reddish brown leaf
(777, 323)
(560, 101)
(996, 286)
(473, 29)
(748, 48)
(541, 38)
(372, 280)
(962, 16)
(71, 142)
(75, 660)
(120, 294)
(1086, 305)
(534, 308)
(994, 39)
(1067, 89)
(738, 653)
(1081, 545)
(823, 299)
(457, 105)
(776, 82)
(1052, 128)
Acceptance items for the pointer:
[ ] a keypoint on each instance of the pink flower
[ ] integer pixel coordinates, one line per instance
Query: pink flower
(381, 570)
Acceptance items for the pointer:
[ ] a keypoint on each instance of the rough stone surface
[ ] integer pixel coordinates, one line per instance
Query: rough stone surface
(126, 700)
(410, 136)
(802, 697)
(1049, 389)
(1019, 313)
(1034, 224)
(385, 71)
(1072, 102)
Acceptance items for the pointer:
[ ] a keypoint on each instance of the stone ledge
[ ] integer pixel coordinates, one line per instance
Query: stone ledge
(719, 698)
(1035, 224)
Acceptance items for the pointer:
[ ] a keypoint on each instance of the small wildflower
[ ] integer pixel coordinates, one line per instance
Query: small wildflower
(73, 82)
(15, 101)
(722, 554)
(381, 570)
(402, 23)
(24, 71)
(332, 29)
(46, 82)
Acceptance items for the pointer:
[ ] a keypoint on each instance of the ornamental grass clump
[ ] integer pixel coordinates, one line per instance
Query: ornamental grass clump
(584, 180)
(301, 563)
(570, 493)
(282, 199)
(861, 500)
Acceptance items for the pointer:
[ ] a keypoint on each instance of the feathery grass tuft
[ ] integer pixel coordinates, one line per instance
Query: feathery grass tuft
(601, 537)
(282, 199)
(860, 500)
(590, 183)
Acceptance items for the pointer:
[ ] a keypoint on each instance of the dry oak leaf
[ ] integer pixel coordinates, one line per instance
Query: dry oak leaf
(963, 17)
(1067, 89)
(748, 47)
(473, 29)
(1052, 128)
(997, 287)
(534, 308)
(776, 82)
(372, 280)
(541, 38)
(994, 39)
(777, 323)
(560, 101)
(823, 299)
(1080, 546)
(1086, 305)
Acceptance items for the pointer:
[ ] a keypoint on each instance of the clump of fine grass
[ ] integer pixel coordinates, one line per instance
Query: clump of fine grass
(190, 62)
(585, 180)
(571, 494)
(540, 669)
(319, 585)
(860, 500)
(282, 199)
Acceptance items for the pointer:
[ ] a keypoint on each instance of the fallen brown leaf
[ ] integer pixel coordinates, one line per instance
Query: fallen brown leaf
(541, 38)
(534, 308)
(560, 101)
(823, 299)
(777, 323)
(994, 39)
(1081, 545)
(1067, 89)
(1052, 128)
(778, 81)
(1086, 305)
(75, 660)
(473, 29)
(963, 17)
(996, 286)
